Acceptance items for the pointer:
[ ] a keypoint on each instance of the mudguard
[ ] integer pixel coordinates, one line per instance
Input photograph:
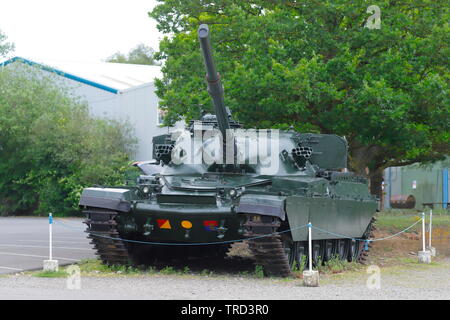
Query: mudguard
(263, 204)
(340, 217)
(118, 199)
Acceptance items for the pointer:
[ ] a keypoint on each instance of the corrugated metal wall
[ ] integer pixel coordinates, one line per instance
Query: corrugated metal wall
(427, 184)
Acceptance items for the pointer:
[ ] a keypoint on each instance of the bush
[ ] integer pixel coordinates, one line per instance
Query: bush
(50, 147)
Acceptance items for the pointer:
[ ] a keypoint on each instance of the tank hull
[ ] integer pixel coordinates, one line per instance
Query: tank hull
(200, 223)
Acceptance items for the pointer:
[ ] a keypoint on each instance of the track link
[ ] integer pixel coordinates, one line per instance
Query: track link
(101, 228)
(268, 250)
(364, 254)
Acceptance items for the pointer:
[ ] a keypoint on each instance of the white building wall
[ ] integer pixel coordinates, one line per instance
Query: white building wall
(138, 106)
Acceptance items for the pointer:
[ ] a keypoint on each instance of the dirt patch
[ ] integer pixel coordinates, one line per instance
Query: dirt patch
(240, 249)
(406, 246)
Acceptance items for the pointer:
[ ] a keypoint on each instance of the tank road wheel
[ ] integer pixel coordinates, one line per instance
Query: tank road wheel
(297, 254)
(329, 249)
(354, 249)
(318, 247)
(341, 249)
(301, 260)
(290, 249)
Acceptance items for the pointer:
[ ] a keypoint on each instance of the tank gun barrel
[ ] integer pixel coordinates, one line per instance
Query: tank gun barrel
(215, 88)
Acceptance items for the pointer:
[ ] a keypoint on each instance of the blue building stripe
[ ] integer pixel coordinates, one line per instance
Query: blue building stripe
(60, 73)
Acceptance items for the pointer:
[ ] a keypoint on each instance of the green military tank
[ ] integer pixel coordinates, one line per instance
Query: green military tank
(205, 190)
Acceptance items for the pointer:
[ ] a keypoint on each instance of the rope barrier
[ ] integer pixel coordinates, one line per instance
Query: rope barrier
(367, 240)
(67, 225)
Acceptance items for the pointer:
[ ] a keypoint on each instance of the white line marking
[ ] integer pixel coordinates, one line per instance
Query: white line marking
(35, 256)
(9, 268)
(46, 241)
(70, 238)
(46, 247)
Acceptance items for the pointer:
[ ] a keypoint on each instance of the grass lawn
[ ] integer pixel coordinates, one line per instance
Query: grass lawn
(398, 220)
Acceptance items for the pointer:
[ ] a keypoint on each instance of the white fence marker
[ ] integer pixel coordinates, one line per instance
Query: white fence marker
(50, 234)
(431, 227)
(310, 247)
(424, 255)
(310, 277)
(430, 247)
(423, 231)
(50, 265)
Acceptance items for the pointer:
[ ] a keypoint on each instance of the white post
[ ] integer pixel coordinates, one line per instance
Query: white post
(50, 223)
(310, 277)
(423, 231)
(430, 247)
(50, 265)
(431, 227)
(310, 247)
(424, 255)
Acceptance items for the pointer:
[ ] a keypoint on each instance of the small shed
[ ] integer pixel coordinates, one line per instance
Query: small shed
(428, 184)
(123, 92)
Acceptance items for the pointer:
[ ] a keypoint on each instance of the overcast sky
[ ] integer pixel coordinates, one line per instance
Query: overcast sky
(77, 30)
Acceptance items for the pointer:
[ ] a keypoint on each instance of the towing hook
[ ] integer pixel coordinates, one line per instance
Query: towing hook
(221, 230)
(148, 228)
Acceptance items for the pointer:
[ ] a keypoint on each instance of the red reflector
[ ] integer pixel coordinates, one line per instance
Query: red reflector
(210, 225)
(163, 224)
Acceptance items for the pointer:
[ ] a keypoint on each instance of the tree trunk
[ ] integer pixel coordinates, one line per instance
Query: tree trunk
(375, 183)
(363, 162)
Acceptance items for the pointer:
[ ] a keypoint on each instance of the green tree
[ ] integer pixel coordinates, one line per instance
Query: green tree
(315, 66)
(5, 47)
(50, 148)
(141, 54)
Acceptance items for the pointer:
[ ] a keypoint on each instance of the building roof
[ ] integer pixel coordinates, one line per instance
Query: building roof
(112, 77)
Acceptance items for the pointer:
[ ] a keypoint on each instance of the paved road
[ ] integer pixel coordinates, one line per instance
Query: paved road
(24, 243)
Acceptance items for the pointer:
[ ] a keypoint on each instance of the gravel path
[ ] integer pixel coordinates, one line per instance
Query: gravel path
(417, 282)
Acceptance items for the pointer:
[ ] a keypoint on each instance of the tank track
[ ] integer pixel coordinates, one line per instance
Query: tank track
(102, 226)
(272, 253)
(268, 250)
(364, 254)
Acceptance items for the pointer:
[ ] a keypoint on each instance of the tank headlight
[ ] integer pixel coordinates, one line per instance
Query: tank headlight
(233, 193)
(146, 190)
